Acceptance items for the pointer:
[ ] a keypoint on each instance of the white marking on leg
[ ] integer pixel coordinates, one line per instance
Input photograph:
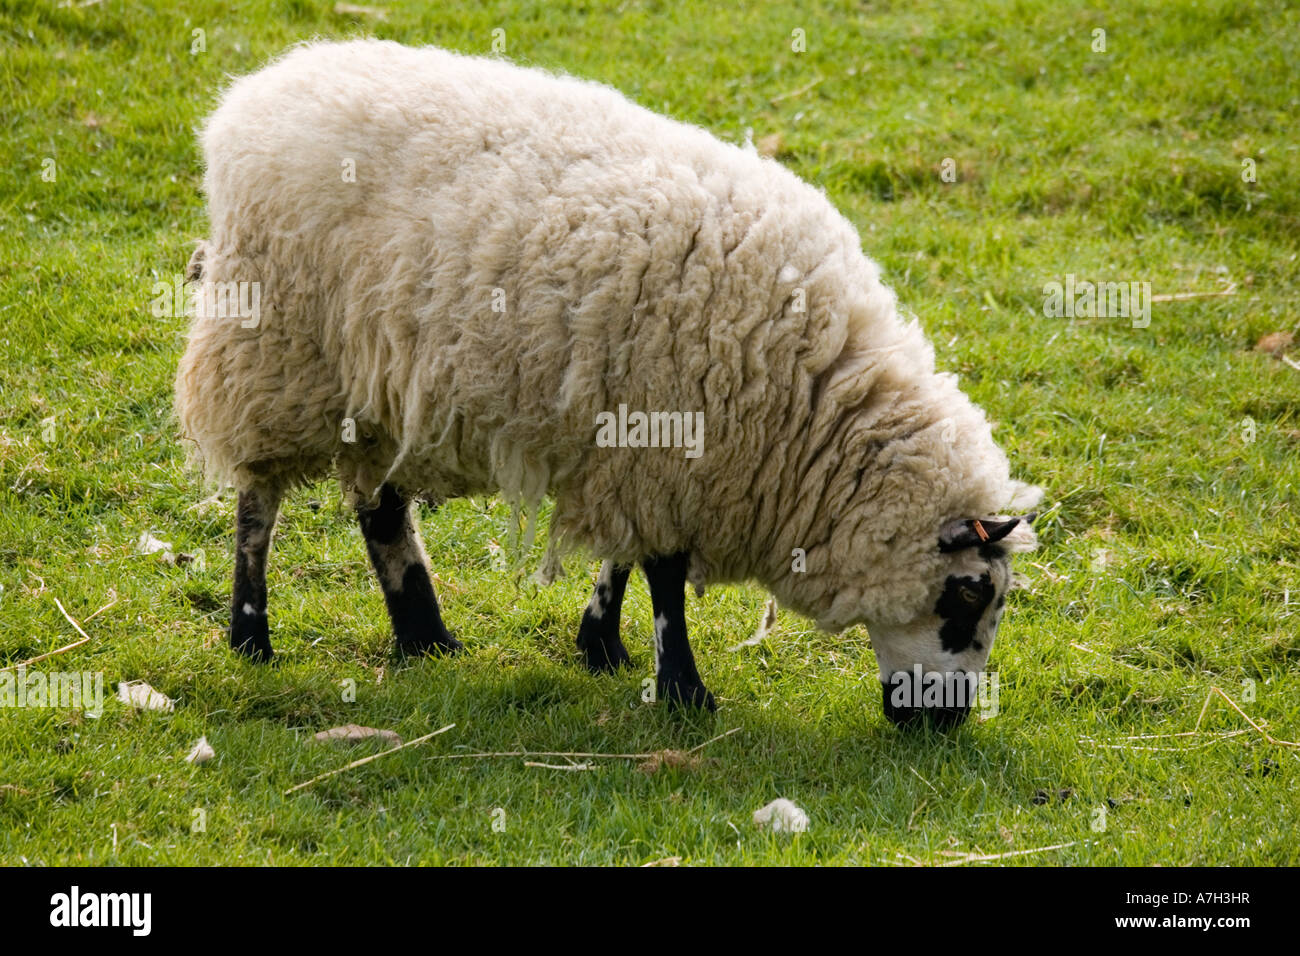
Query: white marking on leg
(248, 608)
(600, 596)
(661, 625)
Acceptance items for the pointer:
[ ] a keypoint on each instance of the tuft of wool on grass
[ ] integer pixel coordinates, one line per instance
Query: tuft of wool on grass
(201, 753)
(140, 695)
(782, 816)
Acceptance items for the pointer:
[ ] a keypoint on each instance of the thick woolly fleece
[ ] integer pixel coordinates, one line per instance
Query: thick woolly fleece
(517, 252)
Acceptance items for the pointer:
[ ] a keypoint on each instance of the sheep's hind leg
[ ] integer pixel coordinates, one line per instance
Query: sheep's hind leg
(403, 571)
(676, 679)
(254, 521)
(598, 634)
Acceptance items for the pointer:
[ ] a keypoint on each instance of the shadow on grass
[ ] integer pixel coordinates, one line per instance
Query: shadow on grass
(542, 708)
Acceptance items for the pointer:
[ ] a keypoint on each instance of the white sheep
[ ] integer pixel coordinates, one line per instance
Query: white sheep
(446, 275)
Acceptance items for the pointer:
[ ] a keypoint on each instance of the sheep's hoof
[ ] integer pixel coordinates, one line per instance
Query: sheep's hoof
(436, 646)
(680, 694)
(603, 659)
(252, 640)
(602, 652)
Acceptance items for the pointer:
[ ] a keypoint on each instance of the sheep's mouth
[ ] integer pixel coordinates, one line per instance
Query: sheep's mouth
(917, 718)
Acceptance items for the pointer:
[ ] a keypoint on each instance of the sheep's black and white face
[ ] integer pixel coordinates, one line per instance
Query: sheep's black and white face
(932, 666)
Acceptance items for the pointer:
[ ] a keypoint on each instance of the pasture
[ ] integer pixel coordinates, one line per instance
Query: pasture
(984, 150)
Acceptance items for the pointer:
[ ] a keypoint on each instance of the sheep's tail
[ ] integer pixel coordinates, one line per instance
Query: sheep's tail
(194, 270)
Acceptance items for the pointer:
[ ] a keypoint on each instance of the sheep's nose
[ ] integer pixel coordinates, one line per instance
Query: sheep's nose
(940, 718)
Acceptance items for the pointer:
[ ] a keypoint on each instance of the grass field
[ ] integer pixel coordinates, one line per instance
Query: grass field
(1170, 453)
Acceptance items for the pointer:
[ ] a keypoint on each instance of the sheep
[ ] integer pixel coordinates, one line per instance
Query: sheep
(462, 270)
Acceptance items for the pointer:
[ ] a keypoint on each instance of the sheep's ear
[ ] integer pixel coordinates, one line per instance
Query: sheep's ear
(973, 532)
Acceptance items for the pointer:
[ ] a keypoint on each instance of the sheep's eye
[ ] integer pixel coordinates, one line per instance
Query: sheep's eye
(969, 595)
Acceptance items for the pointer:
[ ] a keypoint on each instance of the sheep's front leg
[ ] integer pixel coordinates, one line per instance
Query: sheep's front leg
(254, 521)
(598, 634)
(403, 571)
(677, 681)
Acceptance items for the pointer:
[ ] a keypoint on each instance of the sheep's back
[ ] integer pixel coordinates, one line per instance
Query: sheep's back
(519, 252)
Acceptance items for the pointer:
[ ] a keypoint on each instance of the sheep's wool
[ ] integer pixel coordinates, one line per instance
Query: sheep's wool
(461, 263)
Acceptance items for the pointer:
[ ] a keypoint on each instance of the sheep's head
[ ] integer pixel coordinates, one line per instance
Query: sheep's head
(931, 666)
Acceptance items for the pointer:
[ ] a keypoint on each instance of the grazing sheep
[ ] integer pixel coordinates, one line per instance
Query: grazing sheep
(460, 271)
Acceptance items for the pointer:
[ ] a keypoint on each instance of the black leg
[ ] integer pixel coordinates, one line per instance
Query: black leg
(598, 634)
(677, 681)
(403, 570)
(254, 520)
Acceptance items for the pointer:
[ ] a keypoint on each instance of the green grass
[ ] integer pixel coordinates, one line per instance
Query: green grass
(1167, 550)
